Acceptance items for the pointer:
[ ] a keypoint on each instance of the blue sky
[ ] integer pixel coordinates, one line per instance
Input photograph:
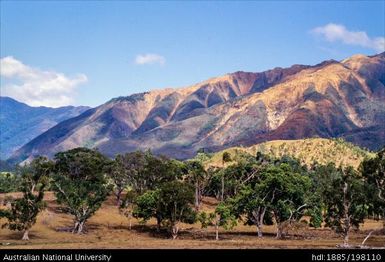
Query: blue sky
(85, 52)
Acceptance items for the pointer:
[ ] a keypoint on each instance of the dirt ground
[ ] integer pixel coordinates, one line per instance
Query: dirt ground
(108, 229)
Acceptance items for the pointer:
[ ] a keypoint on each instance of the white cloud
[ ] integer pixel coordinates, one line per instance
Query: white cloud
(149, 59)
(36, 87)
(335, 32)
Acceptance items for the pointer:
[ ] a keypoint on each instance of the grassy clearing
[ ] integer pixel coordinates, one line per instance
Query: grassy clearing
(109, 229)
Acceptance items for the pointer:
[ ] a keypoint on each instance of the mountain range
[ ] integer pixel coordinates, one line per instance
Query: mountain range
(21, 123)
(343, 99)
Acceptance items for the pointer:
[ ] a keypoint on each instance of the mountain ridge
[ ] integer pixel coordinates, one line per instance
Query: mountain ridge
(20, 123)
(330, 99)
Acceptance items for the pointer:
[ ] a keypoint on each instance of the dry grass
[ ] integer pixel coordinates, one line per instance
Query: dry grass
(306, 150)
(109, 229)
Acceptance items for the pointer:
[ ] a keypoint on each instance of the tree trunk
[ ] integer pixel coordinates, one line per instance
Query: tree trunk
(259, 231)
(129, 223)
(279, 231)
(25, 235)
(174, 230)
(75, 227)
(259, 217)
(346, 239)
(346, 222)
(158, 221)
(223, 187)
(197, 196)
(216, 231)
(80, 227)
(217, 220)
(200, 197)
(118, 198)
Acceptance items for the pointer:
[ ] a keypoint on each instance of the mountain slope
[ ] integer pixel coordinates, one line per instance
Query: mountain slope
(21, 123)
(331, 99)
(307, 151)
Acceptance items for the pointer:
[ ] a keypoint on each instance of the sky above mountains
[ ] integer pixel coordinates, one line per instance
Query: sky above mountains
(84, 53)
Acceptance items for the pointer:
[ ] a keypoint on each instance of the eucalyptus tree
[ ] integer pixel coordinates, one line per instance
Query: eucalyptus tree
(286, 192)
(196, 175)
(127, 205)
(117, 173)
(22, 214)
(344, 196)
(170, 204)
(226, 157)
(251, 205)
(373, 170)
(223, 216)
(80, 183)
(276, 193)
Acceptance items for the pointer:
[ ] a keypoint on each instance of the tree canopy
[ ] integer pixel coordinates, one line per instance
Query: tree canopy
(80, 183)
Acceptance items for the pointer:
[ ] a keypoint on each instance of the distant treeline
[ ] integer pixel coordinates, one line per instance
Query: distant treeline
(256, 190)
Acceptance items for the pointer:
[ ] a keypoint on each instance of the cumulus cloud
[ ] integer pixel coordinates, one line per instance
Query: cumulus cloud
(149, 59)
(37, 87)
(335, 32)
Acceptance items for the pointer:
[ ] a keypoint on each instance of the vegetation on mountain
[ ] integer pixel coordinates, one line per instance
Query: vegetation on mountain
(309, 151)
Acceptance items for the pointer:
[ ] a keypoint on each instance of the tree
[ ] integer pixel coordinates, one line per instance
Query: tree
(144, 171)
(229, 180)
(118, 175)
(345, 201)
(157, 170)
(126, 208)
(133, 167)
(196, 175)
(214, 187)
(221, 217)
(373, 170)
(252, 204)
(175, 201)
(226, 157)
(146, 207)
(23, 212)
(80, 184)
(286, 193)
(170, 205)
(9, 182)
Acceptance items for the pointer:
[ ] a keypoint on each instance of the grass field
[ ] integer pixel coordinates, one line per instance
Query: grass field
(108, 229)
